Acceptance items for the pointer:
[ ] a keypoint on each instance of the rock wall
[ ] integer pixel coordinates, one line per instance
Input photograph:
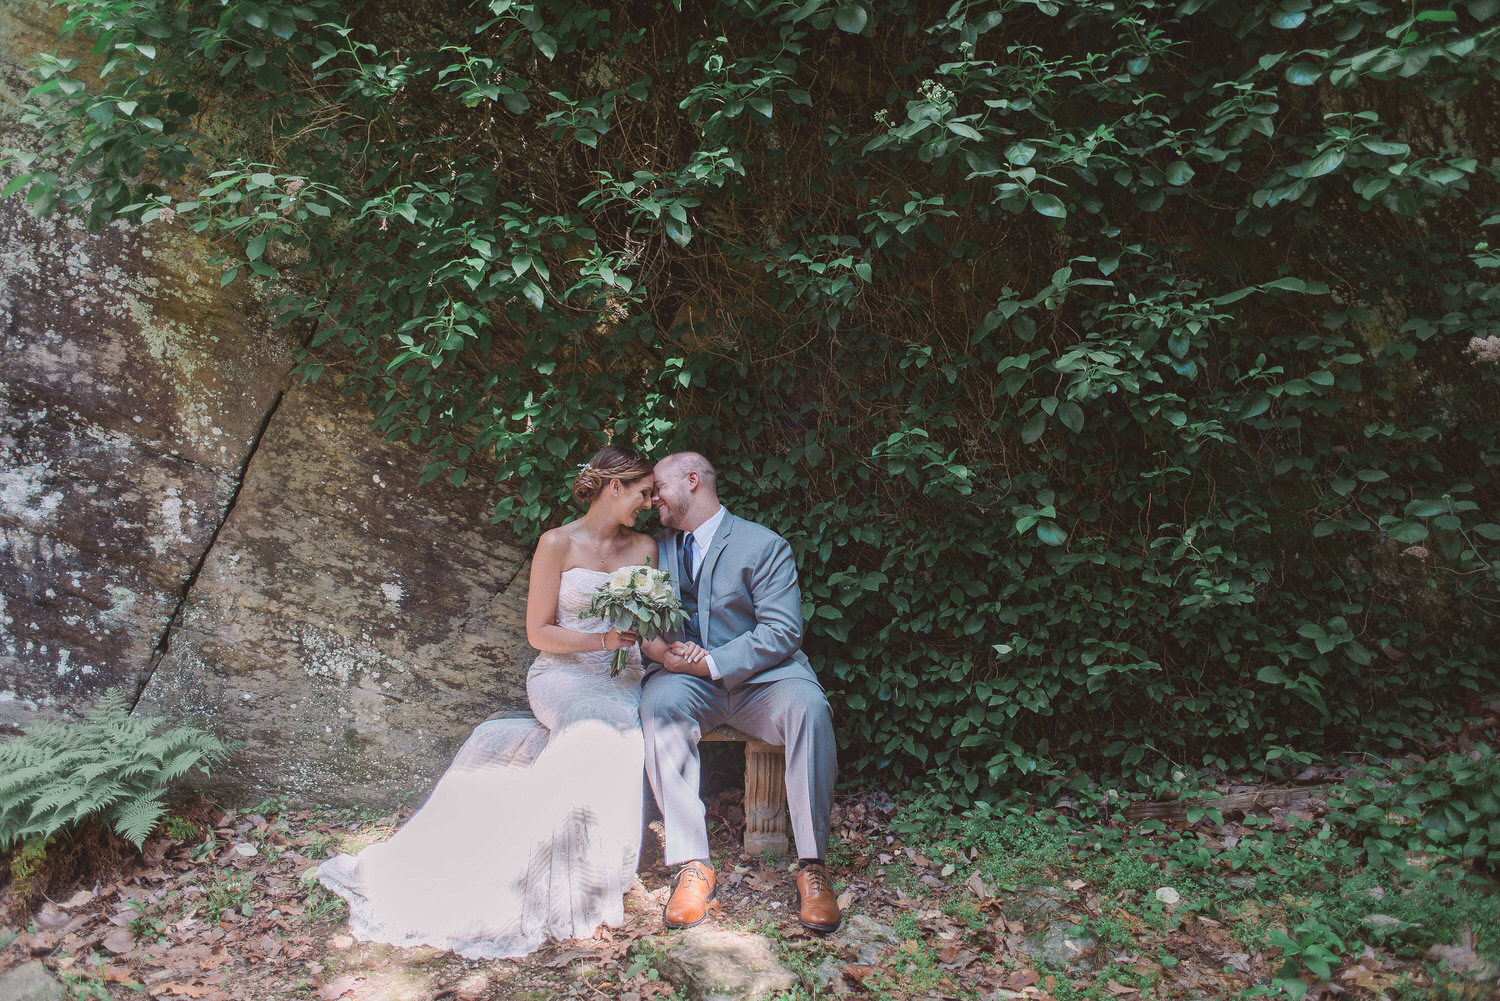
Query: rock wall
(179, 517)
(133, 393)
(348, 626)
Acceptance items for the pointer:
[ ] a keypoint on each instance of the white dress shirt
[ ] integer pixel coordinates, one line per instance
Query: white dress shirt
(700, 539)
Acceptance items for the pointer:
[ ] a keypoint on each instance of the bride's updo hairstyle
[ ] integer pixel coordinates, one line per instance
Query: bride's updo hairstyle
(612, 462)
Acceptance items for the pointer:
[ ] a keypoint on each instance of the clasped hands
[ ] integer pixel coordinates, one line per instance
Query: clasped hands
(679, 657)
(686, 658)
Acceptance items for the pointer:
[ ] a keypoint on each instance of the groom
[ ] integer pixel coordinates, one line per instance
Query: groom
(737, 660)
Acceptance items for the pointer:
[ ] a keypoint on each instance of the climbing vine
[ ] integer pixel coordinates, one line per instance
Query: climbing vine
(1124, 374)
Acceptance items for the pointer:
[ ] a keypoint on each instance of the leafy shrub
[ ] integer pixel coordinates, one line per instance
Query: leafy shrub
(109, 764)
(1126, 376)
(1449, 805)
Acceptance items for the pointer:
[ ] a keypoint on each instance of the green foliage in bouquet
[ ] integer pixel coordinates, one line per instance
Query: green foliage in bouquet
(108, 764)
(1126, 375)
(640, 599)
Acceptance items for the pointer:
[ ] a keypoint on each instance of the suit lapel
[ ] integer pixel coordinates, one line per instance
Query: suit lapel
(667, 547)
(706, 575)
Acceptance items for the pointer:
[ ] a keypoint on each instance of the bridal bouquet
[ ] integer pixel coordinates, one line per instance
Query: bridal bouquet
(639, 599)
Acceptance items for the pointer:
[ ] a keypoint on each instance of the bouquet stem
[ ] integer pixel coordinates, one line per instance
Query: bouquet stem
(617, 662)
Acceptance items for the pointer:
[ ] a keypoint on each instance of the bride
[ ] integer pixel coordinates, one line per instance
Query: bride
(534, 830)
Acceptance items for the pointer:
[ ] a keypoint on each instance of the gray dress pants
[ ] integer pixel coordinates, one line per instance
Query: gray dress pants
(676, 710)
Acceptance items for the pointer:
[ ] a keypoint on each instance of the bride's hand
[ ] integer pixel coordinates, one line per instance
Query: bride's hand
(619, 639)
(690, 652)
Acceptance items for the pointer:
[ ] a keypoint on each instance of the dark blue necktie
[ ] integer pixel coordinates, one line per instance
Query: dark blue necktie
(687, 556)
(689, 587)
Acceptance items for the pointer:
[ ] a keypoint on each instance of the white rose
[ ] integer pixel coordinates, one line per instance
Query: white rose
(661, 588)
(620, 581)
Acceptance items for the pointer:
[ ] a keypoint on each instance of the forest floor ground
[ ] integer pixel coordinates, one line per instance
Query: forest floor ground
(999, 904)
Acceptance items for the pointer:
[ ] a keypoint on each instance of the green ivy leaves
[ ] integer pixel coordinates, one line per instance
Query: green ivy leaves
(1113, 386)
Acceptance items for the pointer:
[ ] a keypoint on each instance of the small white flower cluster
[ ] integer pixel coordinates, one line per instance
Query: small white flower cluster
(1485, 348)
(935, 93)
(644, 583)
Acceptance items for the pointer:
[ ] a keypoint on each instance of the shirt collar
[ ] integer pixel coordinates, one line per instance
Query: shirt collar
(703, 535)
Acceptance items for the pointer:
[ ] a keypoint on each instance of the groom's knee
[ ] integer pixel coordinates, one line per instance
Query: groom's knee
(669, 699)
(805, 709)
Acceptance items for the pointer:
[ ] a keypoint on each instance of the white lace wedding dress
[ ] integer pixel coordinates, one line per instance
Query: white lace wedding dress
(533, 831)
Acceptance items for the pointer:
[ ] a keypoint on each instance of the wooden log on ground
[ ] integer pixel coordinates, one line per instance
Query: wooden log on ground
(1255, 801)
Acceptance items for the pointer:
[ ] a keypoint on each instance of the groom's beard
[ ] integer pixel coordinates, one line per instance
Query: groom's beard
(669, 513)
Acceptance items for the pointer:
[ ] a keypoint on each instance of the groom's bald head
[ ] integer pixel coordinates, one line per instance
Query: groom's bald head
(679, 463)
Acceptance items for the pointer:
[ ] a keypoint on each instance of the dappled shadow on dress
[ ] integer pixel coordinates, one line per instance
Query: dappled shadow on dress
(534, 830)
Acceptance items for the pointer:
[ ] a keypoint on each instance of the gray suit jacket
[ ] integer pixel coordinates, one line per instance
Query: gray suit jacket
(749, 604)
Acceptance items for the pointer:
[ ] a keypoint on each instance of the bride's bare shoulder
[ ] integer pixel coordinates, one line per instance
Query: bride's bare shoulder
(642, 546)
(555, 541)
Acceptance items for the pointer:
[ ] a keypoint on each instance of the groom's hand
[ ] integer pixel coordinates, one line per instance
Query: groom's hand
(678, 663)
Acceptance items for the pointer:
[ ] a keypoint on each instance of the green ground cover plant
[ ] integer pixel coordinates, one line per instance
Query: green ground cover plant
(1449, 805)
(1305, 889)
(1126, 375)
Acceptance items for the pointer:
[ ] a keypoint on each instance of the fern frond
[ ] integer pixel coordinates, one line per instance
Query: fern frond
(22, 778)
(93, 771)
(59, 795)
(181, 763)
(108, 763)
(135, 820)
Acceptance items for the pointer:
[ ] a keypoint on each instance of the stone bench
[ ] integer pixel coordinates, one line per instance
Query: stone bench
(765, 792)
(765, 787)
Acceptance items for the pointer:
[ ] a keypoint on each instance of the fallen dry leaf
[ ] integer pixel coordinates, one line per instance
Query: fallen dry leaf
(219, 957)
(50, 917)
(338, 988)
(1369, 980)
(40, 943)
(961, 959)
(1023, 977)
(341, 942)
(568, 957)
(845, 899)
(119, 941)
(78, 899)
(857, 972)
(1461, 958)
(1118, 989)
(187, 990)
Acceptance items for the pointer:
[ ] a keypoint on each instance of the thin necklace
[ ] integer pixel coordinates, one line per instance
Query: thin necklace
(608, 552)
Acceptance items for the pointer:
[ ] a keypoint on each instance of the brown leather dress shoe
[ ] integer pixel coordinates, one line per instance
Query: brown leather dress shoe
(820, 909)
(696, 886)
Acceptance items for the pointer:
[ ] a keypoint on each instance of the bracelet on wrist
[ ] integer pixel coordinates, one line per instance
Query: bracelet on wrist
(602, 637)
